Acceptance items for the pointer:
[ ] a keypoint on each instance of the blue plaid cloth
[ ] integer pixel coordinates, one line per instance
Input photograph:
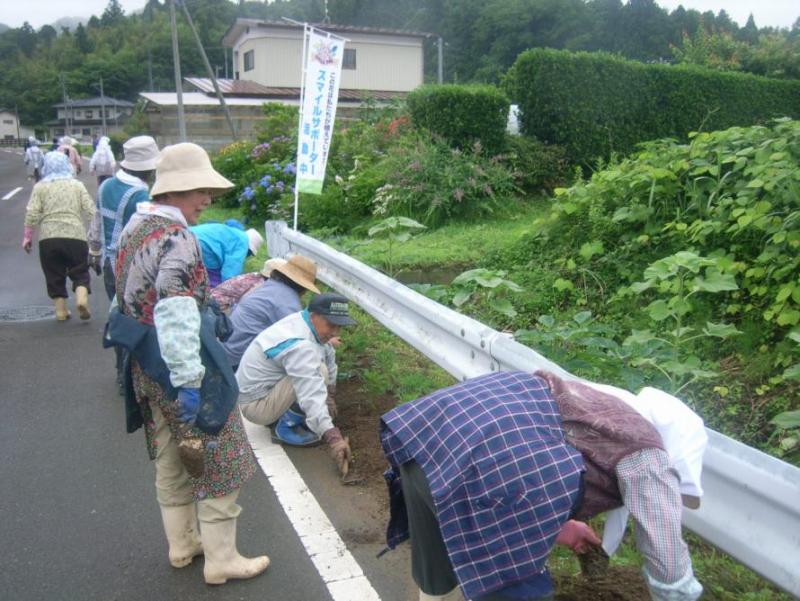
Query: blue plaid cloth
(502, 477)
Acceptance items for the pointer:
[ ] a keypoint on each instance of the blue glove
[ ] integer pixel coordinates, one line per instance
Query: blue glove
(188, 404)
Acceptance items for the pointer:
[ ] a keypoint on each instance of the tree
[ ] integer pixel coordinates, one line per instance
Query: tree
(749, 33)
(26, 39)
(47, 34)
(82, 40)
(113, 14)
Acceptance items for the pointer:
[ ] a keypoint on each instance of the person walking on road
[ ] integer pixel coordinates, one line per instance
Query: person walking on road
(34, 159)
(67, 146)
(284, 377)
(60, 206)
(162, 285)
(276, 298)
(102, 163)
(487, 475)
(117, 198)
(225, 246)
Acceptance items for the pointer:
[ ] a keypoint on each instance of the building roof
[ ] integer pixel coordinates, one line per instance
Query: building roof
(240, 88)
(240, 26)
(97, 101)
(196, 99)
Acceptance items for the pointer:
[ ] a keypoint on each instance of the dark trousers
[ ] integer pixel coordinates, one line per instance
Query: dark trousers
(63, 258)
(430, 564)
(109, 282)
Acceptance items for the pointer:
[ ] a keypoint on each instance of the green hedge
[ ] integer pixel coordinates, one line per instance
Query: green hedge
(596, 104)
(462, 115)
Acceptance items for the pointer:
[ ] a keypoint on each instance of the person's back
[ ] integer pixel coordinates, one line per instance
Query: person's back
(267, 304)
(224, 249)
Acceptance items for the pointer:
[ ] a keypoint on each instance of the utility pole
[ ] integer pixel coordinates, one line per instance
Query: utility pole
(176, 59)
(103, 107)
(440, 55)
(16, 115)
(151, 88)
(210, 70)
(64, 98)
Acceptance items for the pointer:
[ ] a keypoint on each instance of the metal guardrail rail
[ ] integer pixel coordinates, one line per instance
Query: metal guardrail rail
(751, 507)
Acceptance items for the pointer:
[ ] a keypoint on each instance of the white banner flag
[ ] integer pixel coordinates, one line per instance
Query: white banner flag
(321, 92)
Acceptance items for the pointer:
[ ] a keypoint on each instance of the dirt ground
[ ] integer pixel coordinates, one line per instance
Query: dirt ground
(358, 418)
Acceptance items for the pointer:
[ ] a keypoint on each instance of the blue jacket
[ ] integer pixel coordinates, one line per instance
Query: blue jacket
(115, 214)
(224, 248)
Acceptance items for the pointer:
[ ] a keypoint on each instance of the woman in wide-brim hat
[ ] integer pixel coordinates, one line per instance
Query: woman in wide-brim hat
(161, 281)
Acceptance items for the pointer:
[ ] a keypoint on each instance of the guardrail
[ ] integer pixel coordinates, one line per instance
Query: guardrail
(751, 507)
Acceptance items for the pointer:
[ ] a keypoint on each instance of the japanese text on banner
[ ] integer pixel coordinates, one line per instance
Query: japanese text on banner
(323, 73)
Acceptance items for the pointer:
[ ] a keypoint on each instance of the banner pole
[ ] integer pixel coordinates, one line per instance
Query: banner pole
(303, 59)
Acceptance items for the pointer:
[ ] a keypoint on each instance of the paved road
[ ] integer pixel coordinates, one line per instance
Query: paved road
(79, 515)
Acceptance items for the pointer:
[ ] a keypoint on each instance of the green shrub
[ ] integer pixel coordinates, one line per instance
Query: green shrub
(279, 120)
(597, 104)
(431, 182)
(270, 195)
(538, 167)
(234, 161)
(462, 115)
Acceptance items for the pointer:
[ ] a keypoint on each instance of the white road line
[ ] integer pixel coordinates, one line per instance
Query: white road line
(10, 194)
(338, 568)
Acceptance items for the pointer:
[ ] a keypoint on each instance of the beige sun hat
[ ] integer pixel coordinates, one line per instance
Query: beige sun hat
(270, 265)
(301, 270)
(186, 166)
(141, 153)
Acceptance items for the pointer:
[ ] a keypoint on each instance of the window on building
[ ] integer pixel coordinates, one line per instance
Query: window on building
(349, 58)
(88, 114)
(249, 60)
(8, 121)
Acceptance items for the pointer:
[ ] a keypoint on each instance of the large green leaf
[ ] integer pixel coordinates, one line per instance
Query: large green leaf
(720, 330)
(714, 281)
(787, 420)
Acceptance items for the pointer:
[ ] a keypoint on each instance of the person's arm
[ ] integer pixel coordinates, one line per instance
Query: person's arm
(176, 315)
(33, 212)
(302, 362)
(650, 490)
(87, 203)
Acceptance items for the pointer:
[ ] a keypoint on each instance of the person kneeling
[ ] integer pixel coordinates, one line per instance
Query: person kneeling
(283, 377)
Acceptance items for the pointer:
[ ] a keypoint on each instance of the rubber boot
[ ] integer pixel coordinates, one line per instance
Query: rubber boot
(222, 558)
(180, 526)
(82, 300)
(62, 313)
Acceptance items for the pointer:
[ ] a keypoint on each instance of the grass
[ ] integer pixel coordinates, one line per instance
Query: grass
(385, 365)
(455, 244)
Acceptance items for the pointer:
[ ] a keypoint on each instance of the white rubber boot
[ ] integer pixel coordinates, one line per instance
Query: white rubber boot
(82, 300)
(180, 526)
(222, 559)
(62, 313)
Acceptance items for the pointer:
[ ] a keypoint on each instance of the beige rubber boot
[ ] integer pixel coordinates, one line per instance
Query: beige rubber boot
(223, 561)
(454, 595)
(180, 526)
(62, 313)
(82, 300)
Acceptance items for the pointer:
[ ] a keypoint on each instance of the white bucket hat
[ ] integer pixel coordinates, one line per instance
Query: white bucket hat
(141, 153)
(254, 240)
(186, 166)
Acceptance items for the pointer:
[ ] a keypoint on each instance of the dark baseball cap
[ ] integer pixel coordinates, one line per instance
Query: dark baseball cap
(333, 307)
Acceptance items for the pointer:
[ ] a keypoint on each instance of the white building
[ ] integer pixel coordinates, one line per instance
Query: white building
(81, 119)
(375, 60)
(10, 128)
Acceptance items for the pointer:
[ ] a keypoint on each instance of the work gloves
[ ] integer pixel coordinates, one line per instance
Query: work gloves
(578, 536)
(188, 405)
(339, 449)
(331, 402)
(94, 263)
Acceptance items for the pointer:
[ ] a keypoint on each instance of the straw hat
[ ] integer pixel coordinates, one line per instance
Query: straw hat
(270, 265)
(186, 166)
(141, 153)
(301, 270)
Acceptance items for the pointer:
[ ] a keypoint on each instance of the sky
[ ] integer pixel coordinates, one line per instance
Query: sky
(767, 13)
(775, 13)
